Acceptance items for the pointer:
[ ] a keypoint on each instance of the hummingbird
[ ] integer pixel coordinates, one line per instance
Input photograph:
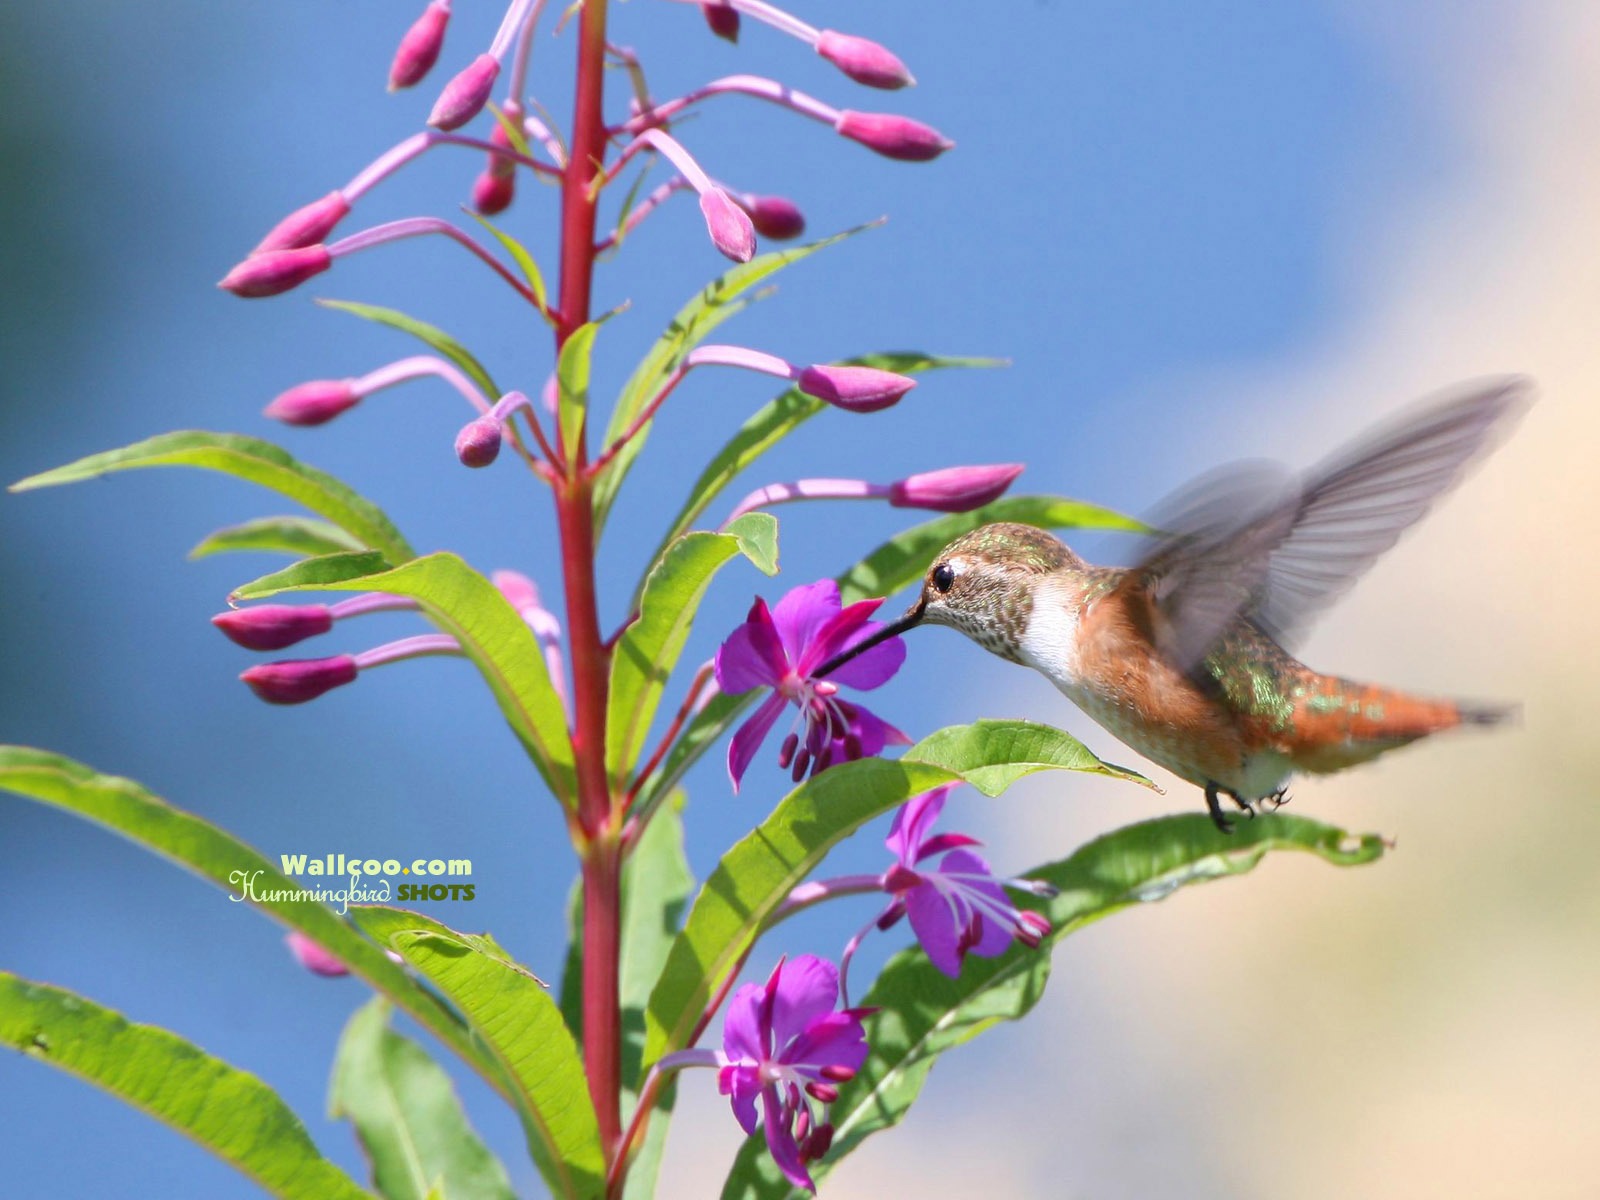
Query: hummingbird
(1185, 656)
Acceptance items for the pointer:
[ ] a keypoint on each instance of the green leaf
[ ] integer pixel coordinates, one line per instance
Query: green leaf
(572, 380)
(649, 650)
(519, 1024)
(524, 259)
(923, 1012)
(992, 755)
(247, 458)
(127, 808)
(406, 1113)
(710, 307)
(656, 884)
(229, 1112)
(300, 536)
(436, 339)
(781, 417)
(464, 604)
(902, 560)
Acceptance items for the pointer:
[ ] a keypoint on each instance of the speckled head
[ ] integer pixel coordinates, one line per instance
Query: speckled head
(983, 583)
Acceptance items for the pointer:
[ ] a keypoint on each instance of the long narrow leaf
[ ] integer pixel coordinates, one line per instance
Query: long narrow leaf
(303, 537)
(431, 336)
(924, 1012)
(246, 458)
(572, 383)
(513, 1015)
(229, 1112)
(465, 604)
(406, 1112)
(125, 807)
(647, 653)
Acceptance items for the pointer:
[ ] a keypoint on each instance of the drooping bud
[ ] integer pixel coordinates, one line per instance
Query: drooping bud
(419, 48)
(300, 680)
(306, 226)
(464, 96)
(858, 389)
(478, 443)
(276, 271)
(954, 489)
(492, 193)
(773, 216)
(893, 136)
(314, 402)
(863, 60)
(274, 626)
(731, 229)
(313, 957)
(722, 18)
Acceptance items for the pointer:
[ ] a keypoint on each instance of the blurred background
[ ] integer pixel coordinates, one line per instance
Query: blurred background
(1200, 231)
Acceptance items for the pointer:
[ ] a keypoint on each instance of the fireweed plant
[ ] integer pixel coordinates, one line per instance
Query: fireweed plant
(811, 1062)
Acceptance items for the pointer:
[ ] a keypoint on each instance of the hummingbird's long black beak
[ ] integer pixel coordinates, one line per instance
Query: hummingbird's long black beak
(911, 619)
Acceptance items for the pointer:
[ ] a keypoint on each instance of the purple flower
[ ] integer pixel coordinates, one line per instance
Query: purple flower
(780, 649)
(958, 907)
(783, 1042)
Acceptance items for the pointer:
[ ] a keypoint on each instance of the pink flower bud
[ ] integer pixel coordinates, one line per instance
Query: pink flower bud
(464, 96)
(893, 136)
(954, 489)
(276, 271)
(858, 389)
(723, 19)
(306, 226)
(774, 217)
(297, 681)
(729, 225)
(492, 193)
(274, 626)
(419, 48)
(864, 60)
(313, 957)
(314, 402)
(478, 443)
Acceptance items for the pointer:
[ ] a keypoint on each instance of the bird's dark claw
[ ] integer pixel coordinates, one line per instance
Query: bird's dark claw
(1214, 807)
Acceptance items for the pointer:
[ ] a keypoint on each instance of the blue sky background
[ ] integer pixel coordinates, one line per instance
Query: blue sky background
(1163, 214)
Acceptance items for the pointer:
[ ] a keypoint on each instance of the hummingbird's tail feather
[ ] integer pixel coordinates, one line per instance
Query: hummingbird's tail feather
(1339, 723)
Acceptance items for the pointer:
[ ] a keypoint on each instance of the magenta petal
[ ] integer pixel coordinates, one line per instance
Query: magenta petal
(804, 611)
(872, 732)
(912, 823)
(780, 1140)
(742, 1085)
(752, 656)
(834, 634)
(808, 987)
(993, 936)
(940, 842)
(742, 1037)
(832, 1040)
(872, 668)
(742, 748)
(937, 926)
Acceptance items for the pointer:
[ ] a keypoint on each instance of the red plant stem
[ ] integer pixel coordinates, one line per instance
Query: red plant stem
(597, 815)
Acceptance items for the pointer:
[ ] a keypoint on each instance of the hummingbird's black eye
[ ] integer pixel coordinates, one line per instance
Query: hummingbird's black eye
(944, 575)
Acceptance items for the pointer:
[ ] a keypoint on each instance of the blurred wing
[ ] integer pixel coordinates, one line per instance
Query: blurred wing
(1254, 544)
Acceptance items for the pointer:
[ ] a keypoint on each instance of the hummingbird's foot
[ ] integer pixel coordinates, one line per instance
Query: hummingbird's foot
(1277, 800)
(1214, 807)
